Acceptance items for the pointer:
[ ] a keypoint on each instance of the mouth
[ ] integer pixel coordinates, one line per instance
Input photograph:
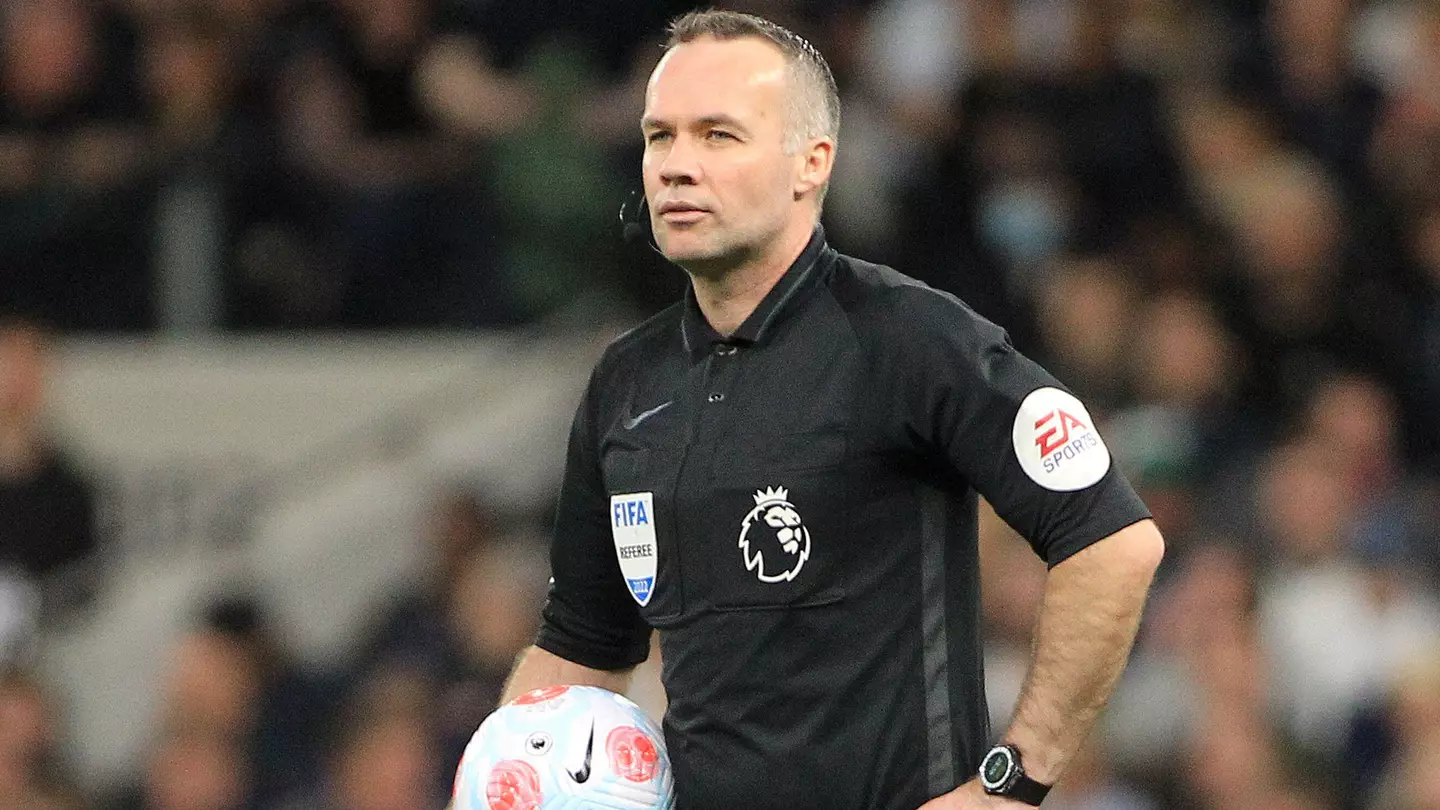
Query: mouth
(677, 212)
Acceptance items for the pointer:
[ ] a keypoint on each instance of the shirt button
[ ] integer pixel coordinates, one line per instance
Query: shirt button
(716, 396)
(725, 350)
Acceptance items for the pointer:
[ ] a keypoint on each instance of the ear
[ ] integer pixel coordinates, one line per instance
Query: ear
(817, 159)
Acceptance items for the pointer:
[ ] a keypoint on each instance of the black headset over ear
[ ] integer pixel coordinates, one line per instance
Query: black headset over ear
(635, 218)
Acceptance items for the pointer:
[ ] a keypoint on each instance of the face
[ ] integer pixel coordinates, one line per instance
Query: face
(389, 768)
(213, 684)
(197, 772)
(22, 371)
(24, 723)
(49, 48)
(721, 187)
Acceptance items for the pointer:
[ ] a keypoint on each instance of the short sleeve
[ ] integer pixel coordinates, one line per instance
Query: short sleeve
(1003, 423)
(589, 617)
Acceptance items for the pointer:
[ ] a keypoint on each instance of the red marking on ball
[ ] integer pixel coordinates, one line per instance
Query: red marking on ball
(632, 753)
(540, 695)
(513, 785)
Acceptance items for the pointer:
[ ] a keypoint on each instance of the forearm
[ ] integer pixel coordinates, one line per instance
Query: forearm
(537, 668)
(1083, 637)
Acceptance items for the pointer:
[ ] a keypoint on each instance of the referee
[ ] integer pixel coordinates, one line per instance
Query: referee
(780, 474)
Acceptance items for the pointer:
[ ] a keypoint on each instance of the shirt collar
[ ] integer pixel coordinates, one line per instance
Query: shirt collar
(698, 335)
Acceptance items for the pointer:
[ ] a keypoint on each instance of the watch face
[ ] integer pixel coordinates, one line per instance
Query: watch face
(996, 768)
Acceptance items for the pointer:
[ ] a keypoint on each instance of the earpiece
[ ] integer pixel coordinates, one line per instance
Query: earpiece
(633, 213)
(635, 220)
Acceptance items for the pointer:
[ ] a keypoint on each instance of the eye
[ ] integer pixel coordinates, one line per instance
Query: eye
(720, 135)
(657, 136)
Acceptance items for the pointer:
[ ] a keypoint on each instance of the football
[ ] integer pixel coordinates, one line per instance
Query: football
(566, 748)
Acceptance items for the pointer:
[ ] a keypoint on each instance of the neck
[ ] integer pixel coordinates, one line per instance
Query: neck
(728, 296)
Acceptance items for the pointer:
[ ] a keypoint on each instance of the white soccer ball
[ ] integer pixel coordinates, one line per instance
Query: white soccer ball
(566, 748)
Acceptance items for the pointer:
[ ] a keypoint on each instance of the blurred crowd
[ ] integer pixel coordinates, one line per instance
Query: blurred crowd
(1216, 220)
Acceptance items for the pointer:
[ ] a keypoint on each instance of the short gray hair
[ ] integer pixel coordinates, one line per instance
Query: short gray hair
(813, 99)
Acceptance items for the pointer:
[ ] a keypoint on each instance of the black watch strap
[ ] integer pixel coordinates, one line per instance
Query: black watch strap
(1002, 774)
(1027, 790)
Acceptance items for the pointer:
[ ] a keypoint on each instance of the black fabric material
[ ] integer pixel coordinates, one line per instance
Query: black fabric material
(857, 390)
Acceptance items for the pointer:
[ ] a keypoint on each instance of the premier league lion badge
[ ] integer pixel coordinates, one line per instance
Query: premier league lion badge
(773, 537)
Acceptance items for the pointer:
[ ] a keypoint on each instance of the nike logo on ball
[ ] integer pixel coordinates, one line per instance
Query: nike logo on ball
(582, 774)
(634, 421)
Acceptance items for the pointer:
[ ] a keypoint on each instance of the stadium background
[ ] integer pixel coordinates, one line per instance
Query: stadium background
(298, 296)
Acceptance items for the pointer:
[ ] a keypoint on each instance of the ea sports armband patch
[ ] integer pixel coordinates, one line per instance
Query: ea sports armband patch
(1057, 443)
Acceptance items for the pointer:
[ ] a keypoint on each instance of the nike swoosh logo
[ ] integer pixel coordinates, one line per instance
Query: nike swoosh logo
(583, 773)
(634, 421)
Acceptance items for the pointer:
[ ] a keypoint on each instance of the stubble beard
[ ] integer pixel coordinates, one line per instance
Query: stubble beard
(712, 257)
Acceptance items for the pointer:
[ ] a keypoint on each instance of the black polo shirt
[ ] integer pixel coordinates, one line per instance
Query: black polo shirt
(794, 508)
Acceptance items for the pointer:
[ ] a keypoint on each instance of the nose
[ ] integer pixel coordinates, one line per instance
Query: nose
(681, 165)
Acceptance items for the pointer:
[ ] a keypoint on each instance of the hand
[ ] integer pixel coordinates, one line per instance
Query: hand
(970, 796)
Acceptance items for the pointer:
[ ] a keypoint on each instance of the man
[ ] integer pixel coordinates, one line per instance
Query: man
(780, 474)
(47, 537)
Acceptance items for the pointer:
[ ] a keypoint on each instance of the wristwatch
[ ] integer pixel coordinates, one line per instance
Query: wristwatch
(1001, 774)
